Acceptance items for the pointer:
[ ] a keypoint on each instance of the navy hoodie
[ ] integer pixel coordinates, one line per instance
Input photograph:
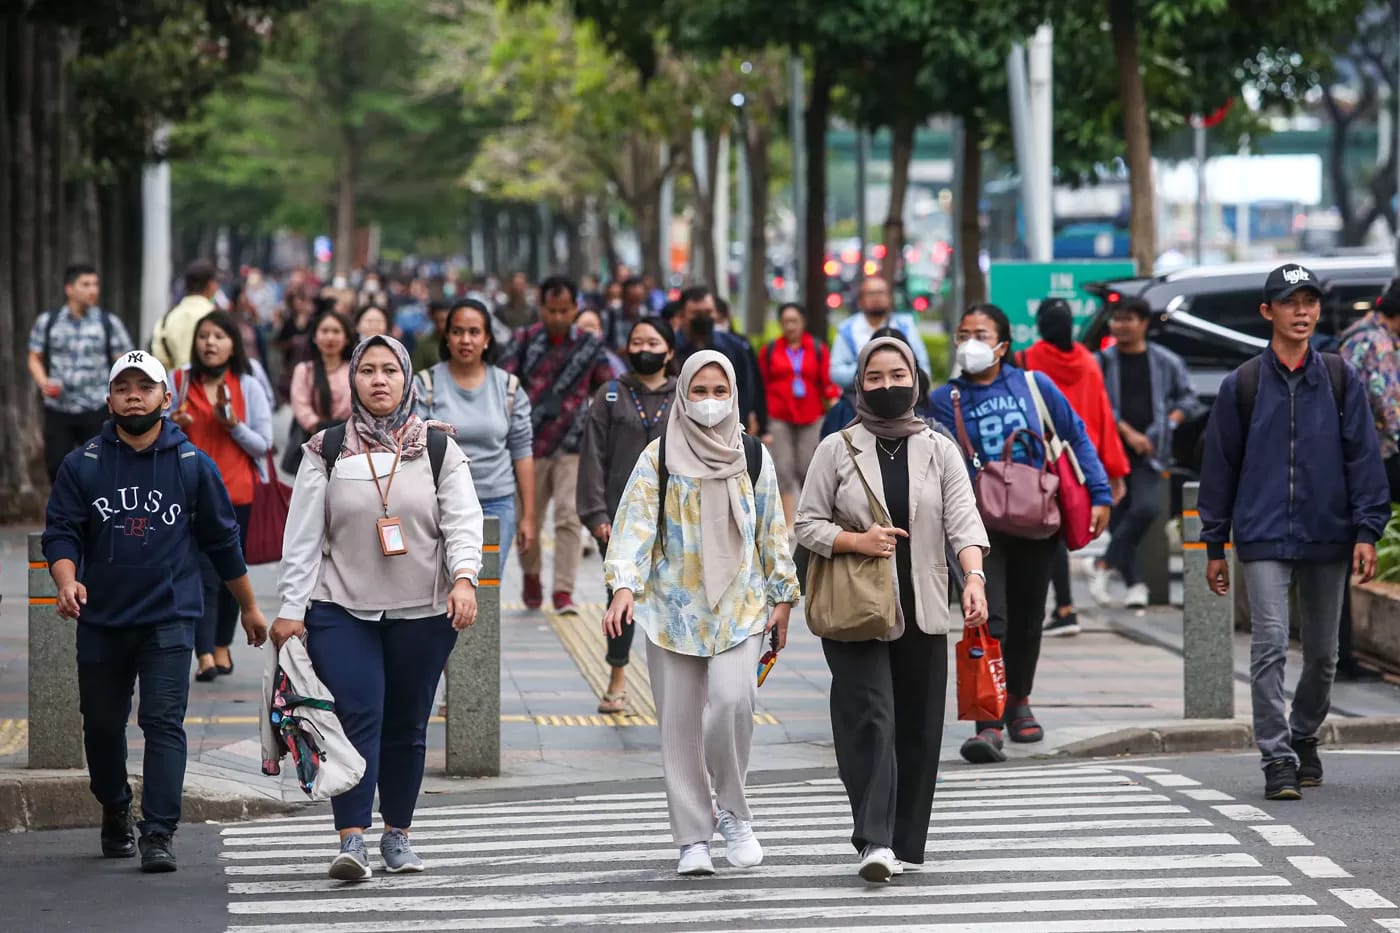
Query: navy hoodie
(1316, 484)
(131, 537)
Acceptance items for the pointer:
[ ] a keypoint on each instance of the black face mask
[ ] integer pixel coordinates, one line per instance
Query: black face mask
(214, 372)
(890, 402)
(137, 425)
(646, 362)
(702, 327)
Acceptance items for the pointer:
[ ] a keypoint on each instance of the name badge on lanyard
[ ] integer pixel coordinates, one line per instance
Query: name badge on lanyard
(389, 528)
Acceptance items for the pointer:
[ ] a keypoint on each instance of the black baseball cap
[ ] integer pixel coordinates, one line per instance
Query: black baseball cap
(1290, 278)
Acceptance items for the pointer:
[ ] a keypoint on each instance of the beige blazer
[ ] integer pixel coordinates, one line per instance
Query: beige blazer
(942, 509)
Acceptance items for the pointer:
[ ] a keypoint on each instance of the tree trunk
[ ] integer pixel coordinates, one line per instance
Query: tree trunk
(1336, 166)
(347, 179)
(814, 130)
(569, 224)
(901, 154)
(704, 264)
(970, 216)
(605, 234)
(646, 218)
(1142, 224)
(490, 245)
(758, 138)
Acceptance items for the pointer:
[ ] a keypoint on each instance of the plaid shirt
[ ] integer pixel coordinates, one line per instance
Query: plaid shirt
(77, 357)
(560, 379)
(1371, 349)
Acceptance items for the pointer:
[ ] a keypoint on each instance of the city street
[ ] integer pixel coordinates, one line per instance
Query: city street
(1158, 844)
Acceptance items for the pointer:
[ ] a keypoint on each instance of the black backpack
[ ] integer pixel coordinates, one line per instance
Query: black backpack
(1247, 387)
(335, 440)
(753, 459)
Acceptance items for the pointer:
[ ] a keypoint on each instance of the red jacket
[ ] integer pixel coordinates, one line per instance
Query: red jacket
(1078, 375)
(775, 366)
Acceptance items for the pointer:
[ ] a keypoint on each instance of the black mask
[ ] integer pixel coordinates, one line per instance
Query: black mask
(646, 362)
(214, 372)
(702, 327)
(136, 425)
(891, 401)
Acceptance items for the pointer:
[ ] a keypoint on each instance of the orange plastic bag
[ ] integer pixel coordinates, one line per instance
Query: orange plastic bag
(981, 676)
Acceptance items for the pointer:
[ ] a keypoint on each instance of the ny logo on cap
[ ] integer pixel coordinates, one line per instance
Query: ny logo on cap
(136, 356)
(1295, 275)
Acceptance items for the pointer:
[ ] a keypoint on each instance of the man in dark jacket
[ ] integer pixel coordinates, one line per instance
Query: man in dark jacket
(127, 513)
(1317, 502)
(696, 330)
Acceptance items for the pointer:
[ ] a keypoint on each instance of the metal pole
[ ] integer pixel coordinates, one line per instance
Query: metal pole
(862, 156)
(799, 156)
(55, 724)
(959, 289)
(667, 208)
(155, 237)
(1395, 125)
(722, 212)
(699, 249)
(474, 674)
(1023, 133)
(1200, 227)
(1208, 633)
(1042, 111)
(741, 294)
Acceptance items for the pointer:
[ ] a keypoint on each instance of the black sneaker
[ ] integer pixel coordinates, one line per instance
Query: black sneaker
(984, 748)
(118, 833)
(1309, 764)
(157, 854)
(1058, 626)
(1281, 780)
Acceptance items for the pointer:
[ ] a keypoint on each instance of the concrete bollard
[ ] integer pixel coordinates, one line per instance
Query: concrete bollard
(1208, 647)
(474, 674)
(1155, 554)
(55, 723)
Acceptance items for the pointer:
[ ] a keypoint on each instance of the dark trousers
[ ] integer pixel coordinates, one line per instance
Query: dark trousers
(1059, 578)
(383, 676)
(1132, 519)
(63, 432)
(1018, 575)
(216, 628)
(619, 648)
(887, 701)
(132, 656)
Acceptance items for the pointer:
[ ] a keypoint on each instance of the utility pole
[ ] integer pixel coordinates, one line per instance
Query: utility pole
(862, 156)
(799, 160)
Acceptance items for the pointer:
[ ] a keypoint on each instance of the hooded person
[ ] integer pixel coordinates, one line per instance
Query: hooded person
(706, 574)
(379, 563)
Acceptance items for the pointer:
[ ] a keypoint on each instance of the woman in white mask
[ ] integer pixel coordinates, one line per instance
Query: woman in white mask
(989, 401)
(699, 559)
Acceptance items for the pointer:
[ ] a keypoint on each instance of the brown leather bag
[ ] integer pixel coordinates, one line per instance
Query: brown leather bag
(1014, 499)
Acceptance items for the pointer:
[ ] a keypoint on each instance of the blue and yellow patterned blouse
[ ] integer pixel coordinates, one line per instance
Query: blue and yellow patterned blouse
(671, 606)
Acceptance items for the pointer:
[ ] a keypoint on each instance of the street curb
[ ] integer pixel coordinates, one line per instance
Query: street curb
(1209, 736)
(62, 800)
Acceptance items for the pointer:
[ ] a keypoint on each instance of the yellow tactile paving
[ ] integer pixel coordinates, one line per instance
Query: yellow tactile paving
(581, 634)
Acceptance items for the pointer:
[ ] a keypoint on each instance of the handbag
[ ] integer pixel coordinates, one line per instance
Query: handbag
(1076, 507)
(291, 457)
(981, 677)
(268, 519)
(851, 597)
(1015, 499)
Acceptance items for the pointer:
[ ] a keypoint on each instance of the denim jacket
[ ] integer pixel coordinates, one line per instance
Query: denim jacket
(1171, 391)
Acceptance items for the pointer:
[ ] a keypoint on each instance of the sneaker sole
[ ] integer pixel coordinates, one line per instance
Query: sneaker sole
(1287, 793)
(697, 872)
(876, 872)
(982, 753)
(1310, 782)
(348, 868)
(112, 852)
(405, 869)
(1013, 737)
(1061, 632)
(744, 863)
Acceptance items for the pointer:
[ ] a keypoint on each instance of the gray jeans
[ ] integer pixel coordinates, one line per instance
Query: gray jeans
(1319, 590)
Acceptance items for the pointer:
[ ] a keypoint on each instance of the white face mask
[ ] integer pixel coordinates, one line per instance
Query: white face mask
(975, 357)
(709, 412)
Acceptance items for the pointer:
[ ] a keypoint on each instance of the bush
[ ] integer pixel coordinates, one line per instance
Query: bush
(1388, 550)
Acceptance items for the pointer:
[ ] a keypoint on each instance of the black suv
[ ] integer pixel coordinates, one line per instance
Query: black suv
(1210, 317)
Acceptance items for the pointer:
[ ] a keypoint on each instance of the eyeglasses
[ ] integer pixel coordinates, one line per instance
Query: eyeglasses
(983, 336)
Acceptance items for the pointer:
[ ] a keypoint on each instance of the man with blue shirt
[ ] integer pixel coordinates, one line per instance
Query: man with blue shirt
(876, 311)
(127, 514)
(1294, 428)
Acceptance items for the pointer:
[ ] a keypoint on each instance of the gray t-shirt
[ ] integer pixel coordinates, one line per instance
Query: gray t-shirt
(490, 433)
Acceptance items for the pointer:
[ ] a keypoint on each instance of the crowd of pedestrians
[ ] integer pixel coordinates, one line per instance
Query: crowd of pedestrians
(699, 465)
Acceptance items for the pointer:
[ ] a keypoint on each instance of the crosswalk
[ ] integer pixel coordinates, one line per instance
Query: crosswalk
(1052, 849)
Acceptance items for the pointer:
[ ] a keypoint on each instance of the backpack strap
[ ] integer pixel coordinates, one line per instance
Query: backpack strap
(1252, 370)
(189, 477)
(964, 441)
(1337, 375)
(437, 450)
(107, 334)
(334, 441)
(610, 396)
(753, 456)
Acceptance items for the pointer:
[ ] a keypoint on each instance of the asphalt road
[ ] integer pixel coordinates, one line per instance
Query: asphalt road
(1209, 858)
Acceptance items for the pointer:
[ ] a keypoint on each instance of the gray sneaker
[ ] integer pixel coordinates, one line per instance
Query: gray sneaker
(397, 853)
(352, 864)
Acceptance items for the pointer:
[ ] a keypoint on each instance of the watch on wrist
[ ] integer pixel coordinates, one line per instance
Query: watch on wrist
(976, 573)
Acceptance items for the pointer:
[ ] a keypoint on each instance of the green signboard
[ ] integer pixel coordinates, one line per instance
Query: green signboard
(1019, 287)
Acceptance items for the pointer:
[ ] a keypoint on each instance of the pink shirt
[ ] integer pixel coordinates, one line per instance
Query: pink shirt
(304, 396)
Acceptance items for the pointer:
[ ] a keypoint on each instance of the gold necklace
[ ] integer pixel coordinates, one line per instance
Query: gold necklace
(889, 453)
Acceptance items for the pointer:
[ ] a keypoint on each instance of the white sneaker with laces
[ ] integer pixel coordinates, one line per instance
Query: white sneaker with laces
(741, 848)
(695, 860)
(1098, 586)
(1137, 596)
(877, 863)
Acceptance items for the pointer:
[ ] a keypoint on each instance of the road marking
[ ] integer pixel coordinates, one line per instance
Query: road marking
(1172, 780)
(1362, 899)
(1391, 924)
(14, 736)
(1243, 813)
(1282, 836)
(1317, 866)
(1205, 796)
(1139, 925)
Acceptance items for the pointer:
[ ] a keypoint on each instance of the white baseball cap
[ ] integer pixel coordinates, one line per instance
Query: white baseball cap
(138, 359)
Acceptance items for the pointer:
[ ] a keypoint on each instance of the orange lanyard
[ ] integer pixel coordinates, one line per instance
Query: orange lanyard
(385, 490)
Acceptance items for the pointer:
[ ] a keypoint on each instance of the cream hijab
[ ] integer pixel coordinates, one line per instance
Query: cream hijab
(715, 458)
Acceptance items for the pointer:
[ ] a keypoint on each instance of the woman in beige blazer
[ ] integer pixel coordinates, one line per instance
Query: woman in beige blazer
(887, 696)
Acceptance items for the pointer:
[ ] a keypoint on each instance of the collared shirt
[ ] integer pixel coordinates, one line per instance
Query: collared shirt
(1371, 348)
(80, 356)
(559, 379)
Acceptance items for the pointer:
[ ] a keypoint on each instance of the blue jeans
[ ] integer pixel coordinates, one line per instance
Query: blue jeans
(502, 507)
(383, 676)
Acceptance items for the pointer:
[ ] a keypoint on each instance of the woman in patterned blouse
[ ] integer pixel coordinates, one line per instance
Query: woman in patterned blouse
(706, 574)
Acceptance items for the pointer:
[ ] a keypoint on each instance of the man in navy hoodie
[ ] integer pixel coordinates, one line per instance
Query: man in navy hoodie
(1292, 430)
(127, 513)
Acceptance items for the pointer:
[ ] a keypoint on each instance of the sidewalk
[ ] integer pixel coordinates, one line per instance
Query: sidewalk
(1122, 673)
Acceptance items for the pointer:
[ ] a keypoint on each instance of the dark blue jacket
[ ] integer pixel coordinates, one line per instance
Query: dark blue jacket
(1315, 485)
(992, 412)
(131, 537)
(752, 399)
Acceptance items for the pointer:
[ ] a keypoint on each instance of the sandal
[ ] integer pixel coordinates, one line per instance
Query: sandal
(1021, 725)
(613, 702)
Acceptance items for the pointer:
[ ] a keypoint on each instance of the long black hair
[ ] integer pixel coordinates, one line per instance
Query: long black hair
(491, 353)
(322, 397)
(237, 360)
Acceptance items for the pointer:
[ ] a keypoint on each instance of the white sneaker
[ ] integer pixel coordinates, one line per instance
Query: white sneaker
(1137, 596)
(740, 847)
(695, 860)
(898, 868)
(1098, 586)
(877, 863)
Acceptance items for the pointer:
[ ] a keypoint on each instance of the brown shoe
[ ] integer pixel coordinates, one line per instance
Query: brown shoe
(533, 594)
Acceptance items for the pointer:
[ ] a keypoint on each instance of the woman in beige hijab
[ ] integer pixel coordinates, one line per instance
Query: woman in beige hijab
(706, 574)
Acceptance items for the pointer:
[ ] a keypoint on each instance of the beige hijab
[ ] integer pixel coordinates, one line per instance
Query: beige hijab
(715, 458)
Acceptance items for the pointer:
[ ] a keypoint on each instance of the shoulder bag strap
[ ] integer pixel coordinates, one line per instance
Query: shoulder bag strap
(963, 440)
(1055, 446)
(512, 387)
(877, 510)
